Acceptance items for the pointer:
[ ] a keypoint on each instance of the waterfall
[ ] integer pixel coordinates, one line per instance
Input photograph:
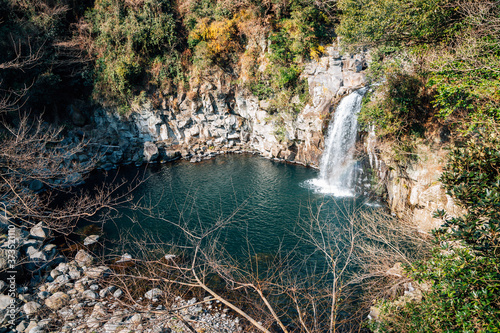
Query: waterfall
(337, 163)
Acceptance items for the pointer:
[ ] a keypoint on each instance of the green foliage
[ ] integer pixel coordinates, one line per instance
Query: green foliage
(396, 23)
(296, 30)
(475, 93)
(130, 42)
(472, 176)
(464, 296)
(398, 107)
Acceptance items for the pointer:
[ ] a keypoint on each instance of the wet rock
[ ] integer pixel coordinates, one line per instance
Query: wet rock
(36, 185)
(116, 157)
(150, 151)
(74, 178)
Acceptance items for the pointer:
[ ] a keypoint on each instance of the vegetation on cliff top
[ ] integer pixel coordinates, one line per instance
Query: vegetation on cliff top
(117, 52)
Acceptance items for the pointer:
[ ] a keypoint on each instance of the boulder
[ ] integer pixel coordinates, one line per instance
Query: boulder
(31, 308)
(150, 151)
(153, 293)
(57, 301)
(92, 239)
(83, 258)
(39, 231)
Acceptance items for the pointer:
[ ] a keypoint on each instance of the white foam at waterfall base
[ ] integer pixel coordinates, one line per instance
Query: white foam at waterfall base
(336, 175)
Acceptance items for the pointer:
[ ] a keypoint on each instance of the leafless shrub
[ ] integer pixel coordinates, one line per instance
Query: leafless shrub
(297, 293)
(34, 156)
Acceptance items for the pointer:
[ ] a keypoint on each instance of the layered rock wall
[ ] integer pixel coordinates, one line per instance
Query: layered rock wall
(222, 117)
(414, 192)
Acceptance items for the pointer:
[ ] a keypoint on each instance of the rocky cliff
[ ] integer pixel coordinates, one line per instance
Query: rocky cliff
(220, 116)
(412, 187)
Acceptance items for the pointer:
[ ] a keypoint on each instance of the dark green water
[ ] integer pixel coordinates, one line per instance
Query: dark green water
(263, 203)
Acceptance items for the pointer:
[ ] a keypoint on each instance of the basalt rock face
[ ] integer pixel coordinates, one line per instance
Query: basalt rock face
(412, 187)
(220, 116)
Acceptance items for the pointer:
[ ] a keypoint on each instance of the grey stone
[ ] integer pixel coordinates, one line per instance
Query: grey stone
(104, 292)
(37, 329)
(62, 267)
(74, 274)
(21, 327)
(39, 231)
(153, 293)
(50, 250)
(116, 157)
(62, 279)
(57, 301)
(89, 294)
(74, 178)
(125, 258)
(118, 293)
(35, 255)
(43, 294)
(32, 324)
(5, 301)
(97, 272)
(83, 258)
(31, 308)
(92, 239)
(150, 151)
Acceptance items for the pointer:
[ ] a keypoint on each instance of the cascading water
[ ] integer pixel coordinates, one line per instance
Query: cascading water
(337, 164)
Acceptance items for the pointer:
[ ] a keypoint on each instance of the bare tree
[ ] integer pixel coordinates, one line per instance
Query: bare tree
(34, 156)
(287, 291)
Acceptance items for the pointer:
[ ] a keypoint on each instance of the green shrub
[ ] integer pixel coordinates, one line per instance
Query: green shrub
(129, 41)
(464, 296)
(397, 23)
(398, 107)
(472, 177)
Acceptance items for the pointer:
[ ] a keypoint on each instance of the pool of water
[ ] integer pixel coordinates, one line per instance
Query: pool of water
(265, 205)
